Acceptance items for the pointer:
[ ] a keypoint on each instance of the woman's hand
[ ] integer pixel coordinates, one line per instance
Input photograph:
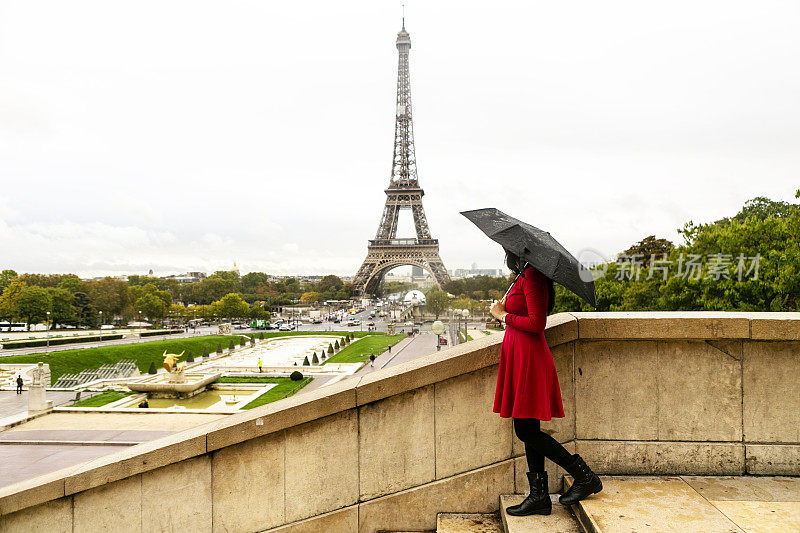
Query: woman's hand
(498, 309)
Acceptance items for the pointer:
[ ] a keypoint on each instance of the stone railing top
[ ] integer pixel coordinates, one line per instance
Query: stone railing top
(406, 376)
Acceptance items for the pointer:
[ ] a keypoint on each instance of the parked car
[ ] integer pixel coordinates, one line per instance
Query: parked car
(285, 327)
(370, 324)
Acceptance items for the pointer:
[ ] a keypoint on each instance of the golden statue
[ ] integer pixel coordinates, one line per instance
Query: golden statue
(170, 359)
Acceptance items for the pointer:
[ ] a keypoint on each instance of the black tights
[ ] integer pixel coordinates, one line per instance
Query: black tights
(539, 445)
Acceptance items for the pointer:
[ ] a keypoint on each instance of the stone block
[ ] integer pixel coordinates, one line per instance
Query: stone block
(662, 458)
(178, 497)
(34, 491)
(663, 325)
(746, 488)
(415, 509)
(116, 506)
(773, 459)
(286, 413)
(341, 521)
(554, 473)
(429, 369)
(321, 465)
(396, 443)
(616, 390)
(560, 328)
(775, 326)
(137, 459)
(54, 516)
(248, 484)
(700, 390)
(468, 434)
(771, 372)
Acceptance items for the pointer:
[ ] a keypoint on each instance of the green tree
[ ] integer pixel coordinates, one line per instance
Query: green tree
(436, 302)
(232, 306)
(61, 301)
(6, 277)
(33, 304)
(151, 306)
(330, 348)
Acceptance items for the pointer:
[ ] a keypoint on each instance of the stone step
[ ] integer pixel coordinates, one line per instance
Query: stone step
(673, 503)
(468, 523)
(560, 520)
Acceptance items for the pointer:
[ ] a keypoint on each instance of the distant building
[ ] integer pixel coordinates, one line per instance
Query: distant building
(472, 272)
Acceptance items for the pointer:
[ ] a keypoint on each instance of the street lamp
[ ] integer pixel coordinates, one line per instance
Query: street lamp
(465, 314)
(101, 320)
(438, 328)
(48, 330)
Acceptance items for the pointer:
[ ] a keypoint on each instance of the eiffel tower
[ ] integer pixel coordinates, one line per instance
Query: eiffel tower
(386, 251)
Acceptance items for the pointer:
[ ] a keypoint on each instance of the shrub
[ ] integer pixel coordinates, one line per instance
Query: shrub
(336, 346)
(56, 341)
(305, 361)
(261, 337)
(322, 355)
(253, 340)
(160, 332)
(296, 376)
(190, 357)
(242, 342)
(152, 369)
(315, 360)
(330, 348)
(346, 340)
(231, 345)
(205, 352)
(219, 348)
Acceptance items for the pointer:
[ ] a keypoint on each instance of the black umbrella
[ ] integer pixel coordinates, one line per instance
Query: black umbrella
(538, 248)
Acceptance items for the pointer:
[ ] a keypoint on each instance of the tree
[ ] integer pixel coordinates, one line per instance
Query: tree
(295, 376)
(305, 361)
(242, 342)
(253, 340)
(61, 302)
(6, 277)
(219, 348)
(231, 306)
(152, 369)
(310, 297)
(84, 311)
(33, 304)
(649, 246)
(436, 302)
(205, 353)
(336, 346)
(231, 345)
(9, 300)
(314, 359)
(190, 357)
(330, 348)
(150, 306)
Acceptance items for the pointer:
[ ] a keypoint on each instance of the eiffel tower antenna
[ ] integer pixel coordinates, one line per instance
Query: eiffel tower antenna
(404, 17)
(386, 251)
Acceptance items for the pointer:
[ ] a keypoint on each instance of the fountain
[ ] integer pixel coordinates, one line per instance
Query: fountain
(176, 383)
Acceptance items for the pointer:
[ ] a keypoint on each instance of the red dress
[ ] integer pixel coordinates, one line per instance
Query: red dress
(527, 383)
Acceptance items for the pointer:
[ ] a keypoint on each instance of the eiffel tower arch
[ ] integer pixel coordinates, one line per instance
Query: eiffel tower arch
(386, 251)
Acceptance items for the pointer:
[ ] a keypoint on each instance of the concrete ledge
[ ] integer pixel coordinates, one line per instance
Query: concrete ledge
(664, 325)
(773, 459)
(292, 411)
(428, 369)
(33, 491)
(775, 326)
(561, 328)
(657, 458)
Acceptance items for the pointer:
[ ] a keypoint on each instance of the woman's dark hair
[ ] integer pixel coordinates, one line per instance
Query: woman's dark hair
(516, 265)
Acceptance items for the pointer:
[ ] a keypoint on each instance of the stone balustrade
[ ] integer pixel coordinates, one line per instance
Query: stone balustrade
(644, 393)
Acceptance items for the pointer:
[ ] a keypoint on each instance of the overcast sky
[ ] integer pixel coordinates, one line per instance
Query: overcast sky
(184, 135)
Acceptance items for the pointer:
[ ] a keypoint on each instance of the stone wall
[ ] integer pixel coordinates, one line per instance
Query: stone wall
(644, 393)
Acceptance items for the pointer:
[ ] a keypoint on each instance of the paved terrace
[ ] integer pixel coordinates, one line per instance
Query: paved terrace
(648, 394)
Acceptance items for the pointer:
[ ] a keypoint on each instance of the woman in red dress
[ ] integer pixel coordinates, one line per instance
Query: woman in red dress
(528, 390)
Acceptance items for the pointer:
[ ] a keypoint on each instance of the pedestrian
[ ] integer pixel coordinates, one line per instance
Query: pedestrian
(260, 364)
(372, 359)
(528, 390)
(390, 348)
(19, 383)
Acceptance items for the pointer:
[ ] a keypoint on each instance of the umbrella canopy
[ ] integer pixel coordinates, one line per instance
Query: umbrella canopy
(538, 248)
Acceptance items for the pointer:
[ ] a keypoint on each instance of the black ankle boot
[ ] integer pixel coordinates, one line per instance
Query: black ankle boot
(585, 482)
(538, 501)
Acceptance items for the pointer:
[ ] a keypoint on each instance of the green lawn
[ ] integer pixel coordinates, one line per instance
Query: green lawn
(145, 352)
(285, 387)
(358, 352)
(102, 399)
